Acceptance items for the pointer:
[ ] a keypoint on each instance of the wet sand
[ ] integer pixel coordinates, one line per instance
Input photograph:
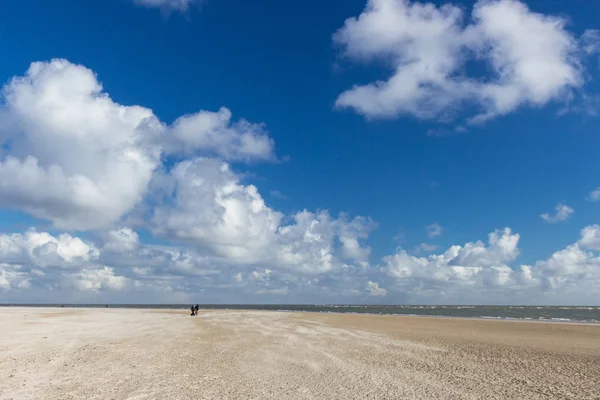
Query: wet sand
(156, 354)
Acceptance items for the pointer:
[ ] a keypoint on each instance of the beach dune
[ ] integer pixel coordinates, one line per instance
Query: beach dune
(48, 353)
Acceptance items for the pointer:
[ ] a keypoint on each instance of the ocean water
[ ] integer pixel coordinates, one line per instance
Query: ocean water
(589, 314)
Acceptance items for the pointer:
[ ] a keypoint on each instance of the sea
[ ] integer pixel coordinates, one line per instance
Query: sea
(579, 314)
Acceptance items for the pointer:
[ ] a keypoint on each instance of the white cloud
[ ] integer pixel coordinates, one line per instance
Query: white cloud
(61, 261)
(42, 249)
(122, 240)
(594, 195)
(472, 273)
(42, 261)
(12, 278)
(180, 5)
(591, 41)
(573, 273)
(97, 279)
(480, 274)
(76, 157)
(141, 272)
(82, 161)
(261, 275)
(590, 237)
(563, 212)
(533, 57)
(458, 266)
(214, 132)
(374, 290)
(434, 230)
(205, 204)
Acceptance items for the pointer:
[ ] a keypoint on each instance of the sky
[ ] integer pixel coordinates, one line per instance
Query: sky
(348, 151)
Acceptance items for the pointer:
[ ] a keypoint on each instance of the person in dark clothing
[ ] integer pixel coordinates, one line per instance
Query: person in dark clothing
(196, 308)
(193, 310)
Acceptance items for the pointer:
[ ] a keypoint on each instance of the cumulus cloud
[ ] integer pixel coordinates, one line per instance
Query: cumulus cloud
(143, 272)
(572, 273)
(41, 261)
(121, 240)
(476, 272)
(63, 261)
(374, 290)
(434, 230)
(206, 204)
(261, 275)
(216, 133)
(594, 195)
(534, 59)
(41, 249)
(72, 155)
(563, 212)
(97, 279)
(590, 237)
(77, 158)
(11, 277)
(459, 266)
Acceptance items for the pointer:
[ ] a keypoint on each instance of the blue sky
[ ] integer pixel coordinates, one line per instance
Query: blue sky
(391, 160)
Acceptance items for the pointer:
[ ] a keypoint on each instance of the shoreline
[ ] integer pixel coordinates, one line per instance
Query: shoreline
(177, 308)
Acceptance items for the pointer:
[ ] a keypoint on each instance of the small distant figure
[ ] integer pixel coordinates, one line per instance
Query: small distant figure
(194, 309)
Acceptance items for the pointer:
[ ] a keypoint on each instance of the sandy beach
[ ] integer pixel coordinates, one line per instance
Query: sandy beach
(157, 354)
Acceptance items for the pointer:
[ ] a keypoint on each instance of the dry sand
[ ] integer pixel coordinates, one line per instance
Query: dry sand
(154, 354)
